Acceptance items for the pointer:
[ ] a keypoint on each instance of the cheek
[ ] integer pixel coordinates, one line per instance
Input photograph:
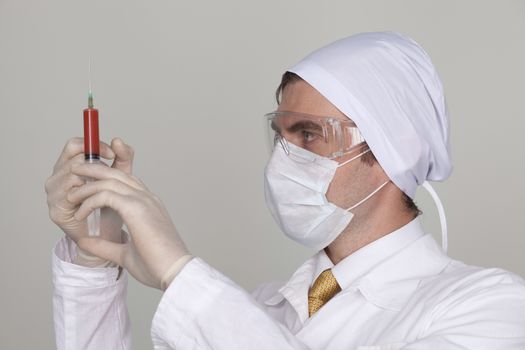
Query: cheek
(351, 183)
(340, 191)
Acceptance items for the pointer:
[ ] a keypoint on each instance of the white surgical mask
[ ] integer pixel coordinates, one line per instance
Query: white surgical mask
(296, 182)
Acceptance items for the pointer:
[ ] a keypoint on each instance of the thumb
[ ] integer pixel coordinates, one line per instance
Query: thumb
(104, 249)
(123, 155)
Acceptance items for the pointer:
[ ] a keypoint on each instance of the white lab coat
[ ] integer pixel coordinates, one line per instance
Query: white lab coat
(399, 292)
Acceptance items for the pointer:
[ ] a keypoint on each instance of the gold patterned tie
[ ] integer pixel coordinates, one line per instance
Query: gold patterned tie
(323, 289)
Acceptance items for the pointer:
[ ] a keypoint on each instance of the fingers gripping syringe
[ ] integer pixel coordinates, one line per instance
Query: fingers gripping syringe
(92, 155)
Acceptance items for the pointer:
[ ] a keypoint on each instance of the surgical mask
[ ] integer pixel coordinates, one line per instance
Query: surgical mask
(296, 182)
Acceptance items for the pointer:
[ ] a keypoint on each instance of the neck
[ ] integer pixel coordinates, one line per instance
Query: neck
(374, 219)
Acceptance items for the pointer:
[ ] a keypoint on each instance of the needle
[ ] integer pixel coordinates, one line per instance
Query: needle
(90, 93)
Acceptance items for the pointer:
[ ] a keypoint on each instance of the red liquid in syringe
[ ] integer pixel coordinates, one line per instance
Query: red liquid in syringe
(91, 135)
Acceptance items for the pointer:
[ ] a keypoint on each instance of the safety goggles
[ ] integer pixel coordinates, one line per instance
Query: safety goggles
(326, 136)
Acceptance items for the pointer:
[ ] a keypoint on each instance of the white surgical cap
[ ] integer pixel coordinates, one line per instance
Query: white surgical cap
(386, 83)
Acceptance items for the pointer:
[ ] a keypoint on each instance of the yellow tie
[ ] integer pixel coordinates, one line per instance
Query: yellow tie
(323, 289)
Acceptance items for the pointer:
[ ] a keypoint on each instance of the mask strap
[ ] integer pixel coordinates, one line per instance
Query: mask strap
(355, 157)
(441, 211)
(368, 197)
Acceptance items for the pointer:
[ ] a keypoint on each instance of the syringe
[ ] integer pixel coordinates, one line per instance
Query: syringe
(92, 154)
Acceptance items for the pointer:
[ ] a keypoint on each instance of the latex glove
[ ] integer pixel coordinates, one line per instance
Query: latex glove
(154, 246)
(62, 180)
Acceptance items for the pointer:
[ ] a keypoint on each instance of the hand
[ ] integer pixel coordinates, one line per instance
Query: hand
(154, 244)
(61, 211)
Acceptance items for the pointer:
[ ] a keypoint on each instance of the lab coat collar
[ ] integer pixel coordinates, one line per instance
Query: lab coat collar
(386, 271)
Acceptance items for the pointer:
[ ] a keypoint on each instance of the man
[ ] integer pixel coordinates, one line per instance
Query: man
(361, 123)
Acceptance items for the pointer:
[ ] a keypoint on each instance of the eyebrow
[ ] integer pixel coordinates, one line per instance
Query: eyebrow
(305, 124)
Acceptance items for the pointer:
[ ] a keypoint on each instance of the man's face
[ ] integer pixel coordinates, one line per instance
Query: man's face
(353, 181)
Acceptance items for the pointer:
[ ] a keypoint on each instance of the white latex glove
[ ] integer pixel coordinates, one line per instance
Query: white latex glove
(154, 247)
(62, 180)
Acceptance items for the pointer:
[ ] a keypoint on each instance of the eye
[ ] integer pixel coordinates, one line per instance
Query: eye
(308, 136)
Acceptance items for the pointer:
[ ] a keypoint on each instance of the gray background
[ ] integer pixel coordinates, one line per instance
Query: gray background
(186, 83)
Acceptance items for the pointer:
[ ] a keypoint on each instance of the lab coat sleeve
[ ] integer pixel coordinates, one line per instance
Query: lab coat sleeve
(203, 309)
(485, 318)
(89, 304)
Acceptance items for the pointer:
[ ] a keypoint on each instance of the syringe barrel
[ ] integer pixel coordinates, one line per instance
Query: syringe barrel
(93, 219)
(91, 135)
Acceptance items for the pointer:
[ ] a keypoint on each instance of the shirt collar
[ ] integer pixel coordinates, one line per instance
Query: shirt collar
(384, 271)
(364, 260)
(296, 289)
